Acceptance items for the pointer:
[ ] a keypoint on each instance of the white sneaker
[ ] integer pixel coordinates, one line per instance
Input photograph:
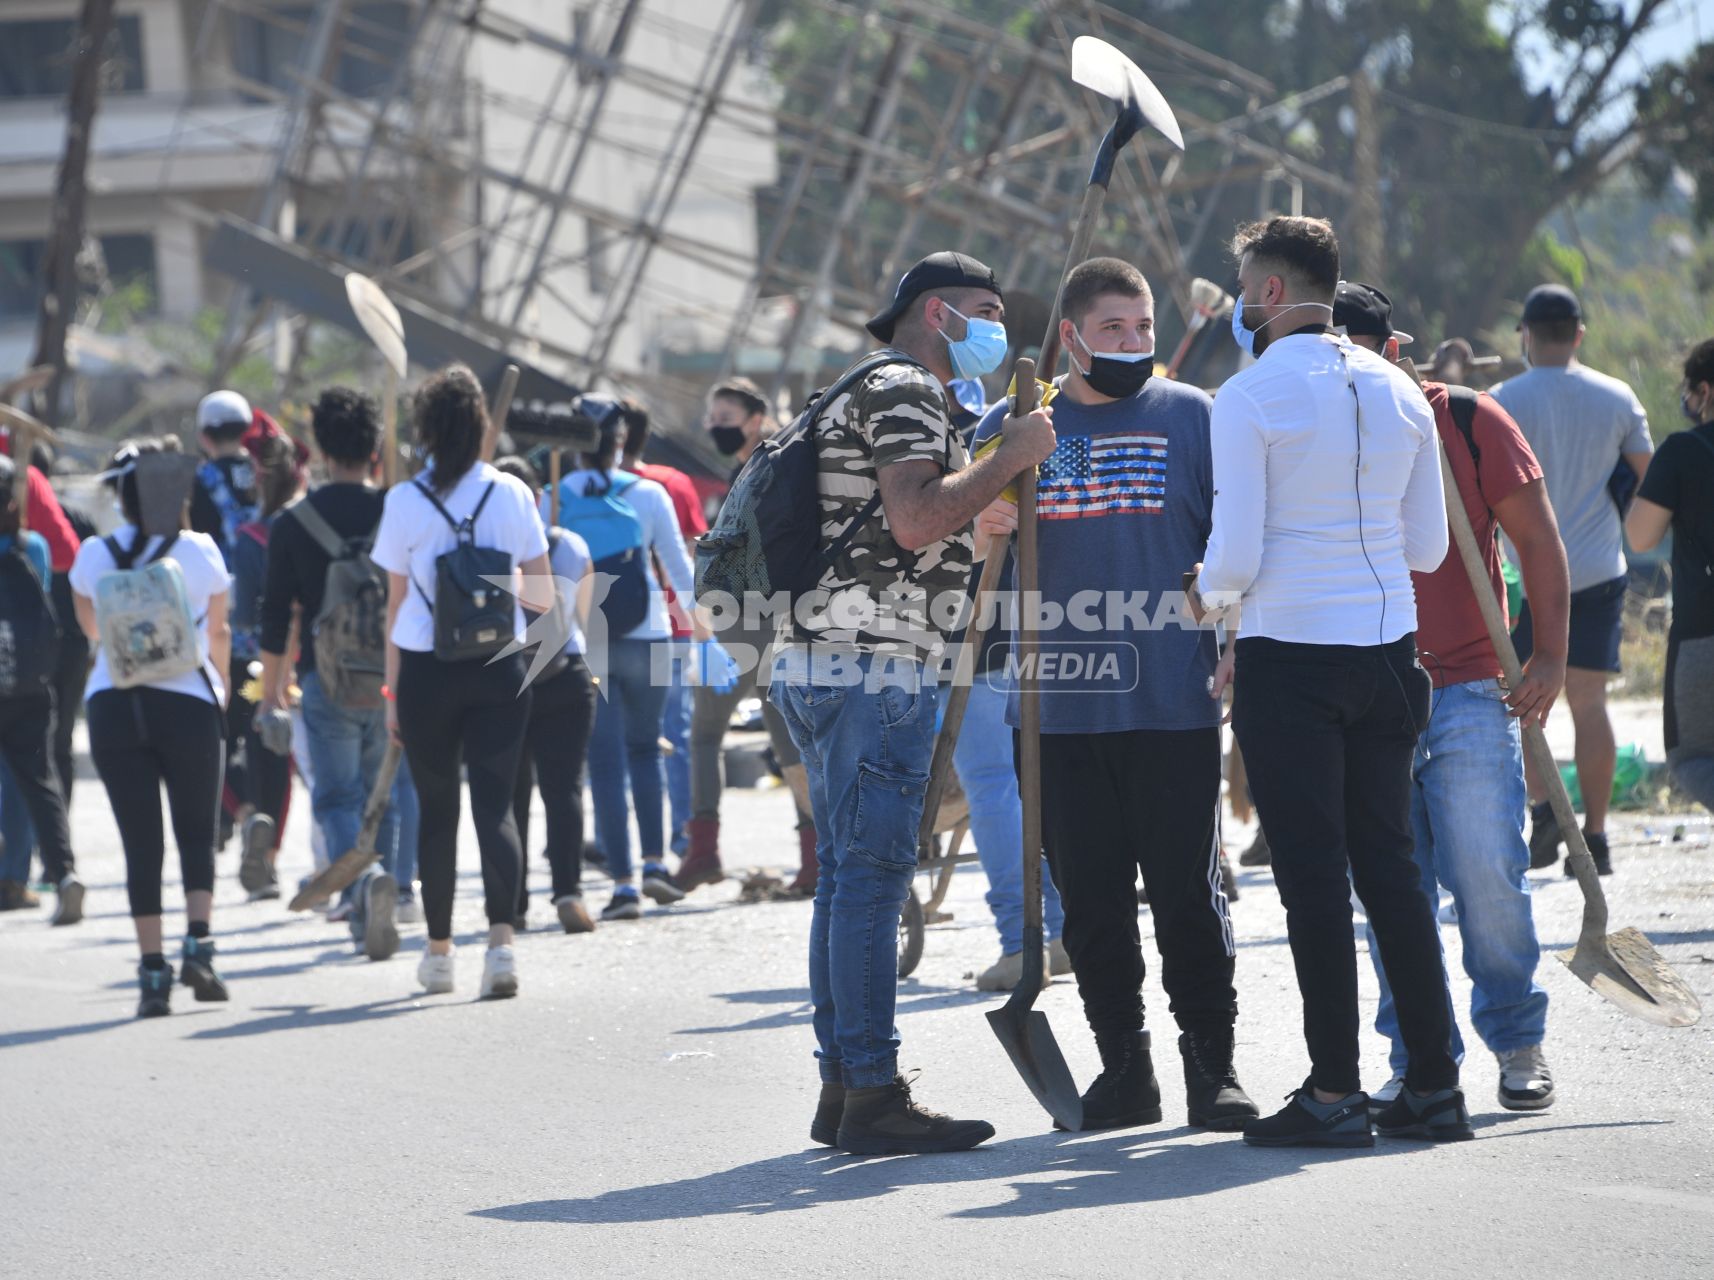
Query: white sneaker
(499, 975)
(1386, 1095)
(409, 911)
(1526, 1083)
(435, 973)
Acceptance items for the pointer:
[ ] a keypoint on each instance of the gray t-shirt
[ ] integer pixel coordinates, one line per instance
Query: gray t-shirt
(1578, 423)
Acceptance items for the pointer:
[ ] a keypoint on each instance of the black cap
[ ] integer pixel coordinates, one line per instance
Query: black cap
(1549, 302)
(943, 270)
(1364, 310)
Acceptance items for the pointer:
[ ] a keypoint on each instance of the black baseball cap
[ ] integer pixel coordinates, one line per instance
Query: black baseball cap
(943, 270)
(1549, 302)
(1365, 311)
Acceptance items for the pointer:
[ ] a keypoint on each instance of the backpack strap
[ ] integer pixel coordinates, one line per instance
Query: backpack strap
(856, 373)
(1462, 402)
(123, 559)
(323, 534)
(435, 503)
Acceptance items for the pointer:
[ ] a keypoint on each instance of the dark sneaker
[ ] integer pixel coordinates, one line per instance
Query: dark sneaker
(1228, 878)
(1384, 1097)
(1544, 837)
(157, 991)
(1526, 1083)
(254, 872)
(886, 1121)
(1599, 854)
(624, 906)
(15, 895)
(1258, 854)
(68, 901)
(380, 928)
(658, 885)
(1217, 1101)
(1126, 1092)
(573, 915)
(1304, 1122)
(197, 969)
(829, 1110)
(1439, 1116)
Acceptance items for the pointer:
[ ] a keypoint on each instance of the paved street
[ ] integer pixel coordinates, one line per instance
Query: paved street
(643, 1108)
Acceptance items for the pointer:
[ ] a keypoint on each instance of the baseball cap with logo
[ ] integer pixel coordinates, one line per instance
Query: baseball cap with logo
(1364, 310)
(943, 270)
(1547, 303)
(225, 409)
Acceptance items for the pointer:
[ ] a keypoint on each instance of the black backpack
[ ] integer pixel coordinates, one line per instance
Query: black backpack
(473, 617)
(767, 537)
(29, 631)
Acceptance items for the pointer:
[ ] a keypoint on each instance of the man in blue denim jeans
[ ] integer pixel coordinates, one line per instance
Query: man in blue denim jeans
(346, 744)
(1467, 794)
(853, 674)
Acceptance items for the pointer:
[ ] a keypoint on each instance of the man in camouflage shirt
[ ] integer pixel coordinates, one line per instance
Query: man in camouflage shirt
(854, 679)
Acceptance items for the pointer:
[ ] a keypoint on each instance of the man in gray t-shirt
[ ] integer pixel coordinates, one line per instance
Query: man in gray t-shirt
(1580, 425)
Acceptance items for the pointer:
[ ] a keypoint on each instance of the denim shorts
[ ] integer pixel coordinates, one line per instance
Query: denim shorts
(1596, 616)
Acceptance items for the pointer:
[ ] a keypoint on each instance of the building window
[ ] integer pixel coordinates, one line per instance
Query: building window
(36, 57)
(270, 49)
(128, 258)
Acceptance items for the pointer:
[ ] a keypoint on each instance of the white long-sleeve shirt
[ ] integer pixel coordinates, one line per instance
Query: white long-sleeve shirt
(1319, 521)
(661, 538)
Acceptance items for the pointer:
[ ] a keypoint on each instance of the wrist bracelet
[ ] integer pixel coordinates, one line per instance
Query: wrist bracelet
(387, 693)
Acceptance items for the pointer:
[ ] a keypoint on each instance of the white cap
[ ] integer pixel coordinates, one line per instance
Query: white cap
(222, 409)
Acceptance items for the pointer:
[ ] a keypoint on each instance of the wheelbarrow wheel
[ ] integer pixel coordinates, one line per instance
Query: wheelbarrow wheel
(910, 935)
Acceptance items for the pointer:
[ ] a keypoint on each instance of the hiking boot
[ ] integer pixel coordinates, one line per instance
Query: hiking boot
(1006, 972)
(829, 1109)
(701, 864)
(259, 839)
(380, 926)
(1126, 1092)
(68, 901)
(659, 886)
(434, 973)
(1258, 854)
(197, 970)
(573, 915)
(157, 989)
(808, 865)
(1439, 1116)
(499, 975)
(625, 905)
(1217, 1101)
(1544, 836)
(1228, 878)
(1058, 959)
(15, 895)
(1382, 1098)
(1599, 854)
(886, 1121)
(1526, 1083)
(1304, 1122)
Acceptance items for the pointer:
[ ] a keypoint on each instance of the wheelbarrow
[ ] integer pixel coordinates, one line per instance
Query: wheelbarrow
(936, 860)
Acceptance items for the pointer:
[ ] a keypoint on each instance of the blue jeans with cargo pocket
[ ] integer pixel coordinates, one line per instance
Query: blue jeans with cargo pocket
(865, 726)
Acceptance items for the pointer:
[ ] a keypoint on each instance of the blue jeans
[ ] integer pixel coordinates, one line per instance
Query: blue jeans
(16, 830)
(675, 728)
(345, 750)
(626, 746)
(983, 758)
(1467, 812)
(865, 727)
(401, 856)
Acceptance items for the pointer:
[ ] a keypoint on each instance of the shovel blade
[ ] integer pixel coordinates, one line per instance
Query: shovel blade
(1097, 65)
(379, 317)
(334, 877)
(1029, 1043)
(1625, 969)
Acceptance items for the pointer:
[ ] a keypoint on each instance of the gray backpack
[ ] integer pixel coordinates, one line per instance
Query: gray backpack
(350, 631)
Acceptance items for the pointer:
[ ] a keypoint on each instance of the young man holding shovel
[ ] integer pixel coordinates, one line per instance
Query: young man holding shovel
(853, 674)
(1467, 778)
(1130, 741)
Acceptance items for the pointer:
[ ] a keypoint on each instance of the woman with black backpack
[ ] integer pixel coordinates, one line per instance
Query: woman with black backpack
(155, 607)
(445, 537)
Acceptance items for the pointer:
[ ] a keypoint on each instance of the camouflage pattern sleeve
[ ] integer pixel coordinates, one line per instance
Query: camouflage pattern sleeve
(902, 410)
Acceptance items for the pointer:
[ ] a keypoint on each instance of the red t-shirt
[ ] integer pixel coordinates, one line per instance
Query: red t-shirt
(47, 518)
(1450, 632)
(691, 524)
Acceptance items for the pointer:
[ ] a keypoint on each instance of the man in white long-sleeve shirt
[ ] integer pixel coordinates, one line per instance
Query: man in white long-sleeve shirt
(1327, 496)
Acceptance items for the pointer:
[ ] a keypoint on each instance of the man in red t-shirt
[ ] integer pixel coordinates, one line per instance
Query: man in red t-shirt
(1468, 799)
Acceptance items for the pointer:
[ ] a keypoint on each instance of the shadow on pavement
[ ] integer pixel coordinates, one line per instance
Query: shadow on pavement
(18, 1039)
(302, 1017)
(914, 997)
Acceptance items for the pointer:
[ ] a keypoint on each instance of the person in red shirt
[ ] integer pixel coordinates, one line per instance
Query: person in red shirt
(1467, 797)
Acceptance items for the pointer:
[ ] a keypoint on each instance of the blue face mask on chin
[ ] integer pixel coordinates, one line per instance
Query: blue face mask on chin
(1246, 338)
(982, 347)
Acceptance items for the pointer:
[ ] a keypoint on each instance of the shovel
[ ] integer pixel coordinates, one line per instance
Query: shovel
(380, 321)
(1022, 1029)
(344, 870)
(1623, 967)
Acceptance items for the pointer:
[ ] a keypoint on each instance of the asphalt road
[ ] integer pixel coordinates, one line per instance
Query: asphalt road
(642, 1108)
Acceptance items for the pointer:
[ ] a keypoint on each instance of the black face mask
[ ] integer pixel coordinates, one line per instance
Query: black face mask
(727, 439)
(1114, 378)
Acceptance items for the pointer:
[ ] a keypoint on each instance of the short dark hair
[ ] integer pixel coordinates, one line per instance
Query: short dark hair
(1554, 332)
(1699, 364)
(741, 391)
(346, 424)
(636, 419)
(520, 468)
(8, 498)
(960, 299)
(452, 420)
(1304, 250)
(1097, 278)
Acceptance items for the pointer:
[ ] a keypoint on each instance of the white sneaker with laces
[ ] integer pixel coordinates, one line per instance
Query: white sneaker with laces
(434, 972)
(499, 975)
(1526, 1083)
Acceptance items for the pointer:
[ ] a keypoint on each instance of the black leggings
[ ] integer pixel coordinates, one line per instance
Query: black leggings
(474, 714)
(140, 738)
(255, 775)
(562, 713)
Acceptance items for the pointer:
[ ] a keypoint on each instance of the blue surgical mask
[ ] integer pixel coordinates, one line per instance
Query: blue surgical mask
(982, 347)
(1246, 338)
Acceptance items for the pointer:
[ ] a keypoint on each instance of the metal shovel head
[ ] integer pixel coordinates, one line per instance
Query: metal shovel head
(1097, 65)
(1625, 968)
(334, 878)
(1029, 1043)
(164, 482)
(379, 317)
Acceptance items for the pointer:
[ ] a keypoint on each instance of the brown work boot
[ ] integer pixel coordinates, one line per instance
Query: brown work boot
(809, 867)
(701, 862)
(16, 895)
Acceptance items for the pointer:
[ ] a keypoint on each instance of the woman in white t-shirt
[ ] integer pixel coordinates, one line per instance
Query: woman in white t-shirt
(471, 712)
(170, 731)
